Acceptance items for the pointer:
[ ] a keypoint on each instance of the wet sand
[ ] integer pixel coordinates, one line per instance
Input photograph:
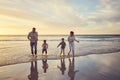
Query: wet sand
(89, 67)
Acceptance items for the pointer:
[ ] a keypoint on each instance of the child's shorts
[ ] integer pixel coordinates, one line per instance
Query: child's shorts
(44, 50)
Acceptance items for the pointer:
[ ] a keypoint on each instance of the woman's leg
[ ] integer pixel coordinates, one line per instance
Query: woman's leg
(72, 48)
(69, 48)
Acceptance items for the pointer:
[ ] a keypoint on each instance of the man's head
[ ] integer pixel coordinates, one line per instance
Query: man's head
(33, 29)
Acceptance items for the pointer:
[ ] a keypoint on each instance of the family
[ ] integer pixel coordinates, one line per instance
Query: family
(33, 38)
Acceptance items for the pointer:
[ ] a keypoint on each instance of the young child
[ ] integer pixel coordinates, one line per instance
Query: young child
(63, 45)
(71, 40)
(44, 47)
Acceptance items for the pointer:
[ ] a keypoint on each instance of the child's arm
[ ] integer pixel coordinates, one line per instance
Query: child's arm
(47, 46)
(58, 45)
(42, 45)
(65, 44)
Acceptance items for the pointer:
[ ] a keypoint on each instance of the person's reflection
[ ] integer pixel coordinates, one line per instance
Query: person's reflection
(33, 71)
(63, 67)
(71, 71)
(45, 65)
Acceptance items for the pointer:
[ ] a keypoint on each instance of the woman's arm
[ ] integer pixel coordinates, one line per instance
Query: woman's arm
(76, 40)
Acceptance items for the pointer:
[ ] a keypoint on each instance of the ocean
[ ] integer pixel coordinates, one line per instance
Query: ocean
(15, 49)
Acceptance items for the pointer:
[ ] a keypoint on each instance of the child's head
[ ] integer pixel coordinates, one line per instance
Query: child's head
(71, 33)
(62, 39)
(44, 41)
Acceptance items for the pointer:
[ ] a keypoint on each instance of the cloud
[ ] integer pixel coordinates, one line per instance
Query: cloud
(80, 16)
(108, 11)
(56, 12)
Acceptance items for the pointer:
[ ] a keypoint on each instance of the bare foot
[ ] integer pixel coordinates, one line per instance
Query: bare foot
(35, 55)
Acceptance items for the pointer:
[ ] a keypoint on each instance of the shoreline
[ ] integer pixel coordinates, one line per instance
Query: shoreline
(99, 65)
(53, 57)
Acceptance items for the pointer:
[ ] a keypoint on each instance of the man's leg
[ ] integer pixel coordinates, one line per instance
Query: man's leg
(31, 45)
(35, 48)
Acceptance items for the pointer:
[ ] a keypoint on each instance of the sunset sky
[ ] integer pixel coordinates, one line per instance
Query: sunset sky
(17, 17)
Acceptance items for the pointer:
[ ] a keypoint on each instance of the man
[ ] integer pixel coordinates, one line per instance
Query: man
(33, 37)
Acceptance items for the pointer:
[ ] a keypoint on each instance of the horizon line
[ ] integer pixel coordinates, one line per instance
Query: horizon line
(55, 34)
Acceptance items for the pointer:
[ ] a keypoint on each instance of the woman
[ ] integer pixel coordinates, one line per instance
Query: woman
(71, 40)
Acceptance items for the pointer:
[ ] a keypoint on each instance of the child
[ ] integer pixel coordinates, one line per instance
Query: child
(44, 47)
(63, 45)
(71, 40)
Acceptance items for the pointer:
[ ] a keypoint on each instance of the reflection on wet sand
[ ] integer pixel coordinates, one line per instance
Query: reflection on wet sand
(45, 65)
(33, 71)
(63, 66)
(93, 67)
(71, 69)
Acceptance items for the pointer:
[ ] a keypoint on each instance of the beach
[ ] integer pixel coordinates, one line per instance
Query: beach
(90, 67)
(96, 58)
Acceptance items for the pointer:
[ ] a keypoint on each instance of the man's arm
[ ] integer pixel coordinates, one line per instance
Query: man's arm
(28, 36)
(68, 39)
(37, 35)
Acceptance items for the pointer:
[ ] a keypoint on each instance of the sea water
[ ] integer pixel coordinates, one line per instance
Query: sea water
(16, 49)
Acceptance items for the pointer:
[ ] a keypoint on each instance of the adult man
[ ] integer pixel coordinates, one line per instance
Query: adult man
(33, 37)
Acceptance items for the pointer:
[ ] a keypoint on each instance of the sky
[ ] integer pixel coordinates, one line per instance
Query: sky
(18, 17)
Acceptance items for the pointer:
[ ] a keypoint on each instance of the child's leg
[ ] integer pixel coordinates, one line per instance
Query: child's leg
(63, 51)
(46, 51)
(42, 51)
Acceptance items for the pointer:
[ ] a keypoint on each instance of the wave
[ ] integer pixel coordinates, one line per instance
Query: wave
(87, 40)
(29, 58)
(58, 37)
(5, 47)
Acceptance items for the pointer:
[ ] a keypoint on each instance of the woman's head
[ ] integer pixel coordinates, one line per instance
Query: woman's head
(71, 33)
